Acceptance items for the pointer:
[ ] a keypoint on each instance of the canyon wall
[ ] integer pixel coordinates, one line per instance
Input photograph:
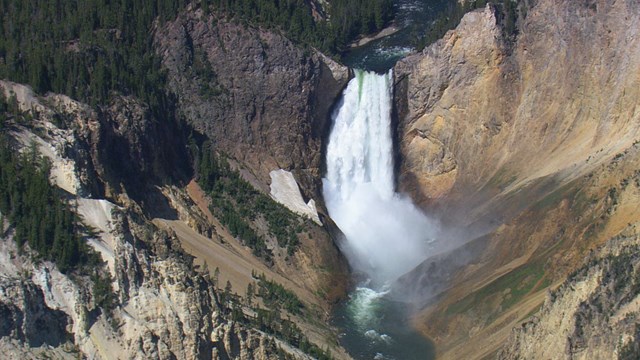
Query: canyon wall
(262, 99)
(485, 115)
(264, 102)
(592, 315)
(525, 146)
(125, 173)
(259, 99)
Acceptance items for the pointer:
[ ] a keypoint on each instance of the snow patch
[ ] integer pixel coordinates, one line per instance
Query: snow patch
(285, 190)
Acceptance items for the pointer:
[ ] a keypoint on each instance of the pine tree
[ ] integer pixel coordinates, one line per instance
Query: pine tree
(216, 276)
(250, 294)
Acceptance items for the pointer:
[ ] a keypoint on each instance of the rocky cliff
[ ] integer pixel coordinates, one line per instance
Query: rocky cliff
(110, 162)
(263, 100)
(592, 315)
(164, 308)
(478, 105)
(530, 141)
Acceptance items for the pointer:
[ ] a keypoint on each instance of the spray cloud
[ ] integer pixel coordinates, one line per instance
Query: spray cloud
(386, 235)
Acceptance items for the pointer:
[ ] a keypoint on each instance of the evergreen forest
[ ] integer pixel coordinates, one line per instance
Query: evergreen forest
(87, 49)
(238, 205)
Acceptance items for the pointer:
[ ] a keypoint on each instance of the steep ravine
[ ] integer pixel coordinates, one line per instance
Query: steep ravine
(527, 145)
(263, 102)
(129, 173)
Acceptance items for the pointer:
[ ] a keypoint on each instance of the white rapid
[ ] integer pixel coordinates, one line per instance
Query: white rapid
(386, 235)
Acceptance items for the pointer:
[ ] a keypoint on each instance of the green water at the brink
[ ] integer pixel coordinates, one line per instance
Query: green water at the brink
(413, 18)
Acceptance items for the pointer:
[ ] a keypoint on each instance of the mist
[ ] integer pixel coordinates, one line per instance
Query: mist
(386, 235)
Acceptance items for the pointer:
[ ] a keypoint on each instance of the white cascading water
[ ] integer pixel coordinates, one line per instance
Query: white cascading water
(386, 235)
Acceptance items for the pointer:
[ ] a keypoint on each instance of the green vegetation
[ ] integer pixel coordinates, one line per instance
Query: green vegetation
(103, 294)
(508, 13)
(272, 323)
(210, 87)
(87, 49)
(518, 282)
(9, 110)
(349, 18)
(270, 320)
(44, 221)
(238, 205)
(41, 219)
(39, 214)
(84, 49)
(275, 296)
(283, 224)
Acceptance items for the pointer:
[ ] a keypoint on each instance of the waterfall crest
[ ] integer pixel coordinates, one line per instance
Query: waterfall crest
(386, 235)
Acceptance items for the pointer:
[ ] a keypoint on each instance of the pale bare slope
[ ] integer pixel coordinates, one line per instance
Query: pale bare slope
(236, 263)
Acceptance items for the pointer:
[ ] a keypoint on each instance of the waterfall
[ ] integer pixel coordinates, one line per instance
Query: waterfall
(386, 235)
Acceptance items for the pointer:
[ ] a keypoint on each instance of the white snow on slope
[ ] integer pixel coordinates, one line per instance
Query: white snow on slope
(285, 190)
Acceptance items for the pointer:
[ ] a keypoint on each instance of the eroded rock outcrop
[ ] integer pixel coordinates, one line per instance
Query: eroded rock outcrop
(115, 149)
(483, 115)
(265, 103)
(260, 98)
(26, 317)
(131, 148)
(530, 142)
(162, 307)
(592, 315)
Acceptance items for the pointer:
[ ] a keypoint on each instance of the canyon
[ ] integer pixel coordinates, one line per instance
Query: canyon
(520, 151)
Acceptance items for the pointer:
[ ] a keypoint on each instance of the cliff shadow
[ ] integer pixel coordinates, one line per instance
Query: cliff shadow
(324, 129)
(399, 111)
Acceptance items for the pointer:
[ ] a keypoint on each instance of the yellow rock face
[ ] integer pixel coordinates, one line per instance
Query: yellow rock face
(564, 92)
(533, 140)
